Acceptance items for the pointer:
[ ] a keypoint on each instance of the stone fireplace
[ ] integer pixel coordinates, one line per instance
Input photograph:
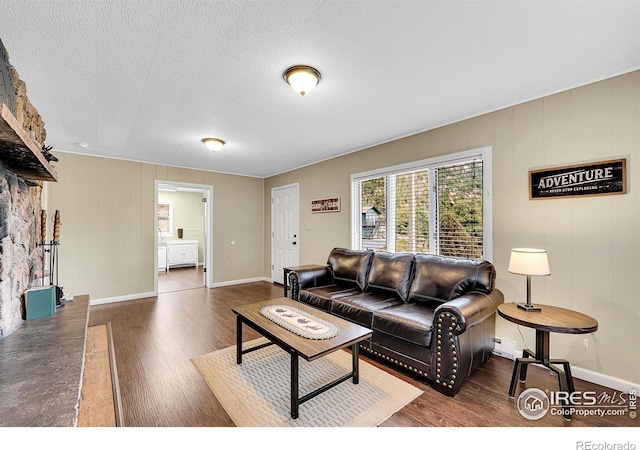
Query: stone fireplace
(20, 257)
(24, 167)
(32, 394)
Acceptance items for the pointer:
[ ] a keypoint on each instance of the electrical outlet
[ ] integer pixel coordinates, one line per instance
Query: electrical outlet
(586, 343)
(504, 348)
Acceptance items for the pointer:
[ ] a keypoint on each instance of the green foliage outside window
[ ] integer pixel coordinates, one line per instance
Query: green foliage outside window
(459, 211)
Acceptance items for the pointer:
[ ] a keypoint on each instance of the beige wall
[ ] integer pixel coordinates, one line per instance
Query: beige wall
(108, 226)
(593, 243)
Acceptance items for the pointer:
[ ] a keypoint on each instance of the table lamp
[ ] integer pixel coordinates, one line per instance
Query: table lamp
(529, 262)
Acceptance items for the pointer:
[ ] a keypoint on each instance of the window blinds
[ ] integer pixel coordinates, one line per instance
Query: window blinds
(434, 209)
(459, 227)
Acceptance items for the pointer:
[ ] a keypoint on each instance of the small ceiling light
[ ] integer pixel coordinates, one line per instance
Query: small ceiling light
(303, 79)
(213, 144)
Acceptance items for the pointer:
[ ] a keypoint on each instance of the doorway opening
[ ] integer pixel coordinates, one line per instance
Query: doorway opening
(183, 243)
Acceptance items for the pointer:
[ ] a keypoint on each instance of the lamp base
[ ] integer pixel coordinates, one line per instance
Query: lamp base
(529, 308)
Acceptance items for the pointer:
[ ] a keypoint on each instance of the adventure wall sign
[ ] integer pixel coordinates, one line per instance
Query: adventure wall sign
(600, 178)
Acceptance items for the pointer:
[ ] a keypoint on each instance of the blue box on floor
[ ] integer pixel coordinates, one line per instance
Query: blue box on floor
(40, 302)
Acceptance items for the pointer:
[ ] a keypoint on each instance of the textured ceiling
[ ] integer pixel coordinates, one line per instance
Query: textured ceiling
(146, 80)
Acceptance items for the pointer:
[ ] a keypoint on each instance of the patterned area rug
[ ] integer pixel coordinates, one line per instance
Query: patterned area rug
(256, 393)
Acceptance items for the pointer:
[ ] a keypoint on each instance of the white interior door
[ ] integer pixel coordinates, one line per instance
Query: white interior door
(284, 230)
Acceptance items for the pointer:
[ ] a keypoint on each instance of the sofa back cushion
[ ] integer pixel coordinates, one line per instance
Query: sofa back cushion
(350, 267)
(443, 278)
(391, 274)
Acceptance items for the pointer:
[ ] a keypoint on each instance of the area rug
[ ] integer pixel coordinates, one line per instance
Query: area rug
(256, 393)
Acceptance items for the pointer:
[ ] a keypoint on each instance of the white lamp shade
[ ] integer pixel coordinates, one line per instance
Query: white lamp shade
(213, 144)
(529, 261)
(302, 79)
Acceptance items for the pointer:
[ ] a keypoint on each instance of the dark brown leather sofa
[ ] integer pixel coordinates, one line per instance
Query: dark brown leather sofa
(432, 315)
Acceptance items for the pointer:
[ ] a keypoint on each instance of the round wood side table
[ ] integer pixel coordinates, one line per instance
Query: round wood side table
(551, 319)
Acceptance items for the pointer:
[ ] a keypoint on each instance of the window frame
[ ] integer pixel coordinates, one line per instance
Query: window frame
(165, 234)
(482, 153)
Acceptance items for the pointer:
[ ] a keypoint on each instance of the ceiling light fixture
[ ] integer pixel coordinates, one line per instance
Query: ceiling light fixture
(303, 79)
(213, 144)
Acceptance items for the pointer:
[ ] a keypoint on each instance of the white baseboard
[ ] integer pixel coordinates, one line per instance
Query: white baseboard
(122, 298)
(234, 282)
(600, 379)
(604, 380)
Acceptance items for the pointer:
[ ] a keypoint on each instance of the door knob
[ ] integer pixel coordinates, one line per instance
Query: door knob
(294, 243)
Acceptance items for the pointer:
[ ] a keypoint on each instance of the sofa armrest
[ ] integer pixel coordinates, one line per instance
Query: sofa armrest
(463, 338)
(311, 276)
(471, 309)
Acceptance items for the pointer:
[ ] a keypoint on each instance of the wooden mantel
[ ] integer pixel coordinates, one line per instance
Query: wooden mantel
(19, 153)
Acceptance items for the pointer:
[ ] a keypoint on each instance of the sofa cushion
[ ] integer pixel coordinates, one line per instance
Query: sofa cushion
(391, 274)
(350, 266)
(444, 278)
(360, 308)
(321, 297)
(411, 322)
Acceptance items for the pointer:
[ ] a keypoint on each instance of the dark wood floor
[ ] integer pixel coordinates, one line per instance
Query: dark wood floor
(154, 339)
(180, 279)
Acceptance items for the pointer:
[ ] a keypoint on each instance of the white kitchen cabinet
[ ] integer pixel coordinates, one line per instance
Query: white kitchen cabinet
(162, 257)
(182, 252)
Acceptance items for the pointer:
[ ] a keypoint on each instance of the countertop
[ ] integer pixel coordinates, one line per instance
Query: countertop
(181, 241)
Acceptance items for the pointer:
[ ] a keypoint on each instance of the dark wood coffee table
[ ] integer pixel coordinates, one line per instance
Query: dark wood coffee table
(310, 349)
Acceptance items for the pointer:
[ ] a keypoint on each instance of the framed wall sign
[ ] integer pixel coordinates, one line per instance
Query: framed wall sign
(325, 205)
(581, 180)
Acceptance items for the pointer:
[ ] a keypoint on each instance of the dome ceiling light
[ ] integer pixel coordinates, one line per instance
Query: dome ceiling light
(303, 79)
(213, 144)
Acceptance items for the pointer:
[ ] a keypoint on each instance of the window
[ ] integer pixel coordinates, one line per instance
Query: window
(440, 206)
(165, 219)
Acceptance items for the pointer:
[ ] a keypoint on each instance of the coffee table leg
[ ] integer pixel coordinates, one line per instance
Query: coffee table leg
(238, 339)
(294, 385)
(355, 351)
(285, 273)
